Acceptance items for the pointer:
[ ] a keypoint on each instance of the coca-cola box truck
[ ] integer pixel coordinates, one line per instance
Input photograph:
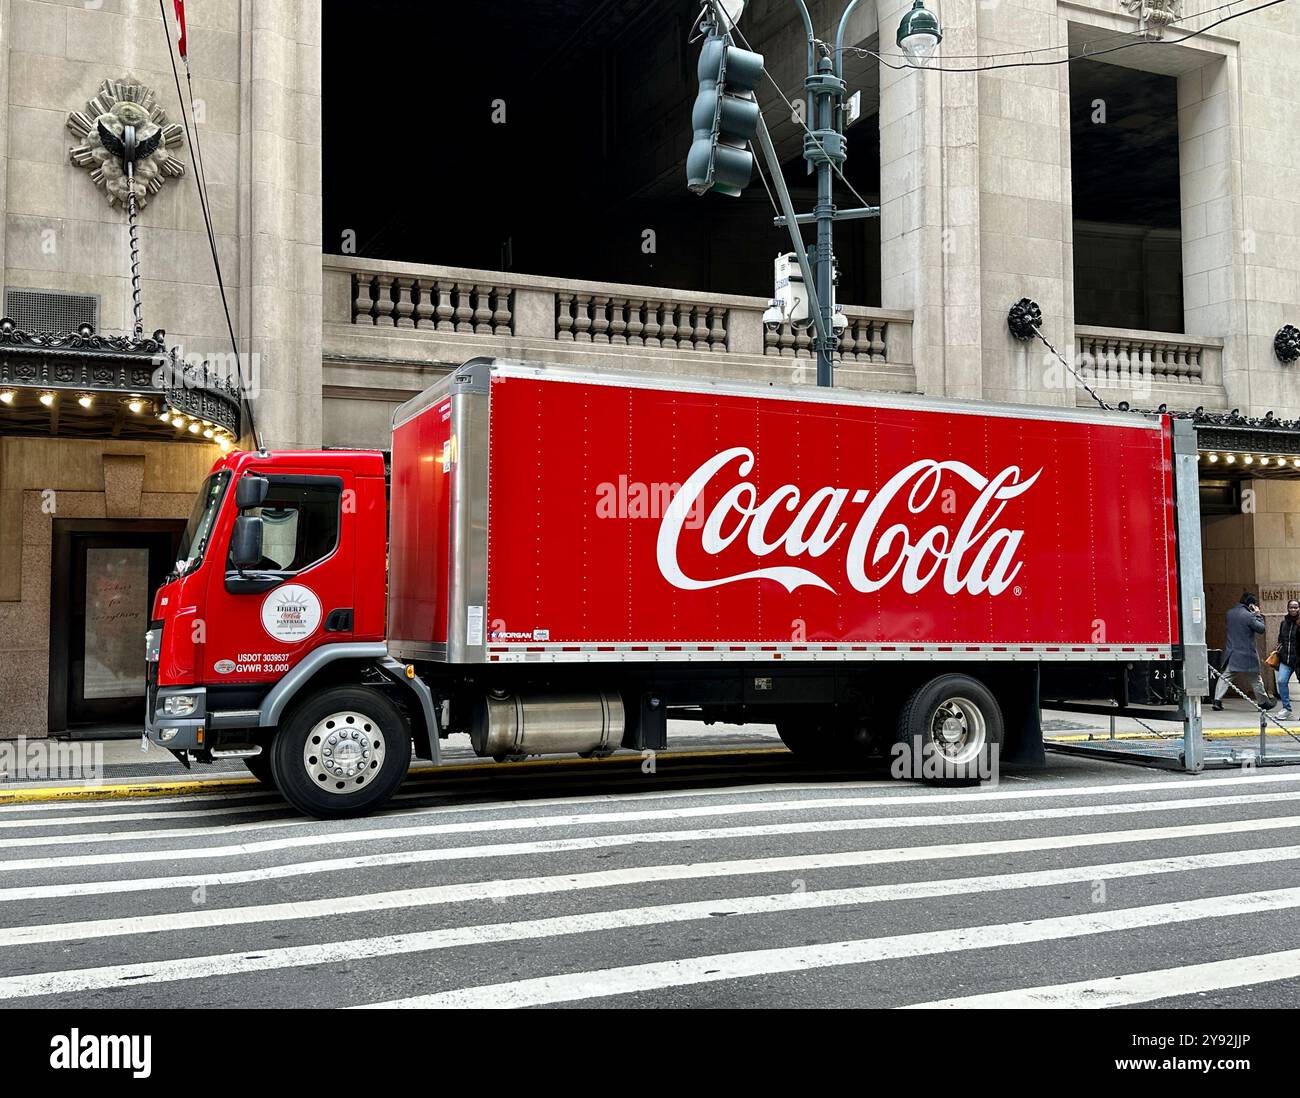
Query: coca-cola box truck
(563, 560)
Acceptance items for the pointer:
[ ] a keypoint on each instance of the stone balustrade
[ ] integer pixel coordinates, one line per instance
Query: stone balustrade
(1117, 357)
(392, 329)
(862, 340)
(634, 321)
(388, 299)
(451, 302)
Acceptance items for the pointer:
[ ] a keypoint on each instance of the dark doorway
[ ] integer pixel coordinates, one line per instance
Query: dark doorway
(103, 582)
(550, 139)
(1128, 251)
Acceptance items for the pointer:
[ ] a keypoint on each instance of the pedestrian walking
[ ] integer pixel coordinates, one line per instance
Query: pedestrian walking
(1288, 654)
(1241, 657)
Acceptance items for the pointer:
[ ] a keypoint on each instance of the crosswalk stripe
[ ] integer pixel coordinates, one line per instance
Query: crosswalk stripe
(906, 794)
(196, 919)
(136, 817)
(568, 987)
(1134, 988)
(337, 838)
(628, 979)
(886, 856)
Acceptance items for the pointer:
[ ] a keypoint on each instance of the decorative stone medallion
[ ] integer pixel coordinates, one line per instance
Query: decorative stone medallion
(121, 108)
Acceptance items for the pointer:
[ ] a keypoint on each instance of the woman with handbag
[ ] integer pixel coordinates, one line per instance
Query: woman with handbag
(1287, 655)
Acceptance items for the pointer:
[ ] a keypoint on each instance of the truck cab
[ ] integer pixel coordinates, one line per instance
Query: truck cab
(278, 587)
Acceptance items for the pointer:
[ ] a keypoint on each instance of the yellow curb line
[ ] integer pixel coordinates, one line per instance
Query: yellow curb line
(1209, 734)
(39, 794)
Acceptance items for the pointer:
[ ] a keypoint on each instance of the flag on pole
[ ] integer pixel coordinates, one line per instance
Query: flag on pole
(179, 5)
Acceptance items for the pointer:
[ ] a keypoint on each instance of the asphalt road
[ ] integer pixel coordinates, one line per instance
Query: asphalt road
(715, 881)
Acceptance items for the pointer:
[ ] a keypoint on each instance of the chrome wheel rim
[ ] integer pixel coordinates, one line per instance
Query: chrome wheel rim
(344, 752)
(958, 730)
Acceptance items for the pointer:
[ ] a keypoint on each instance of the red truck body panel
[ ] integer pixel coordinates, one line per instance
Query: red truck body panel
(631, 519)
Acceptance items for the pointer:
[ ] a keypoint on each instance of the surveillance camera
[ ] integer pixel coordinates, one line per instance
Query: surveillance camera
(838, 320)
(773, 316)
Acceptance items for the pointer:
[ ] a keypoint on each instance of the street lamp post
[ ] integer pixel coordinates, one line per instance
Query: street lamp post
(823, 149)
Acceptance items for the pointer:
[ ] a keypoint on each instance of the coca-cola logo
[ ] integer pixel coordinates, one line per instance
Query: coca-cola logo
(967, 552)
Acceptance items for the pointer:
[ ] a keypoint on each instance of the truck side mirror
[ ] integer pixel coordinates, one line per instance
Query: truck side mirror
(251, 491)
(246, 541)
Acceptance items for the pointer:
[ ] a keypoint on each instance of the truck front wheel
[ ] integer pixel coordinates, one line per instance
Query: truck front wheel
(260, 767)
(948, 732)
(343, 752)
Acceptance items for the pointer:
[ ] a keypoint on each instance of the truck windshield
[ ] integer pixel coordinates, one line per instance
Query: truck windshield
(199, 528)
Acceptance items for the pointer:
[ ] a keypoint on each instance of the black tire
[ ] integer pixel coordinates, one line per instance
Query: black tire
(922, 721)
(364, 720)
(827, 739)
(260, 767)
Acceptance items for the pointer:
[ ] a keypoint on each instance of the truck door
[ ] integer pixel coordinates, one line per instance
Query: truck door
(300, 595)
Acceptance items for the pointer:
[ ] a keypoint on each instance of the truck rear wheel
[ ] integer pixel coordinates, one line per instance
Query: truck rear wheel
(343, 752)
(949, 729)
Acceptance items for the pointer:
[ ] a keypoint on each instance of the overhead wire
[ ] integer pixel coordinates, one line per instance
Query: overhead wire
(201, 186)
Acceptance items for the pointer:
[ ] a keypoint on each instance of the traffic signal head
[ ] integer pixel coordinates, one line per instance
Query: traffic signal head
(725, 118)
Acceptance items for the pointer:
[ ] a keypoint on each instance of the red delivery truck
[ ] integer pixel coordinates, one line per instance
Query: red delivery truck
(562, 560)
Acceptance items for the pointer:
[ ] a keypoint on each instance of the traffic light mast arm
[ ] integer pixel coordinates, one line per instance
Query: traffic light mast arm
(792, 223)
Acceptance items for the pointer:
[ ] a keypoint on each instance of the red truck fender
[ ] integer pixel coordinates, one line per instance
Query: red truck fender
(419, 699)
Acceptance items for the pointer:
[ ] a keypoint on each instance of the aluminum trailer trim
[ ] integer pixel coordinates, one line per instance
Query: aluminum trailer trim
(733, 653)
(502, 367)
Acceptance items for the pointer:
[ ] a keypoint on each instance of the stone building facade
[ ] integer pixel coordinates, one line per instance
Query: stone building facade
(989, 187)
(90, 502)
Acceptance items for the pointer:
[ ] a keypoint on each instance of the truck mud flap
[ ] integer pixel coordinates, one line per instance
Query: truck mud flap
(1017, 687)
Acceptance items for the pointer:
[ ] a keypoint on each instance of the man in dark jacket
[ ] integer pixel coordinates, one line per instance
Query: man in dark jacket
(1241, 657)
(1288, 654)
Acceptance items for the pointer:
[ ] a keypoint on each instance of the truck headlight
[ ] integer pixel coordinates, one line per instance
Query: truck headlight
(180, 705)
(167, 734)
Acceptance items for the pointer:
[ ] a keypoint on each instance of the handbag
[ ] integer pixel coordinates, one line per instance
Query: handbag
(1273, 660)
